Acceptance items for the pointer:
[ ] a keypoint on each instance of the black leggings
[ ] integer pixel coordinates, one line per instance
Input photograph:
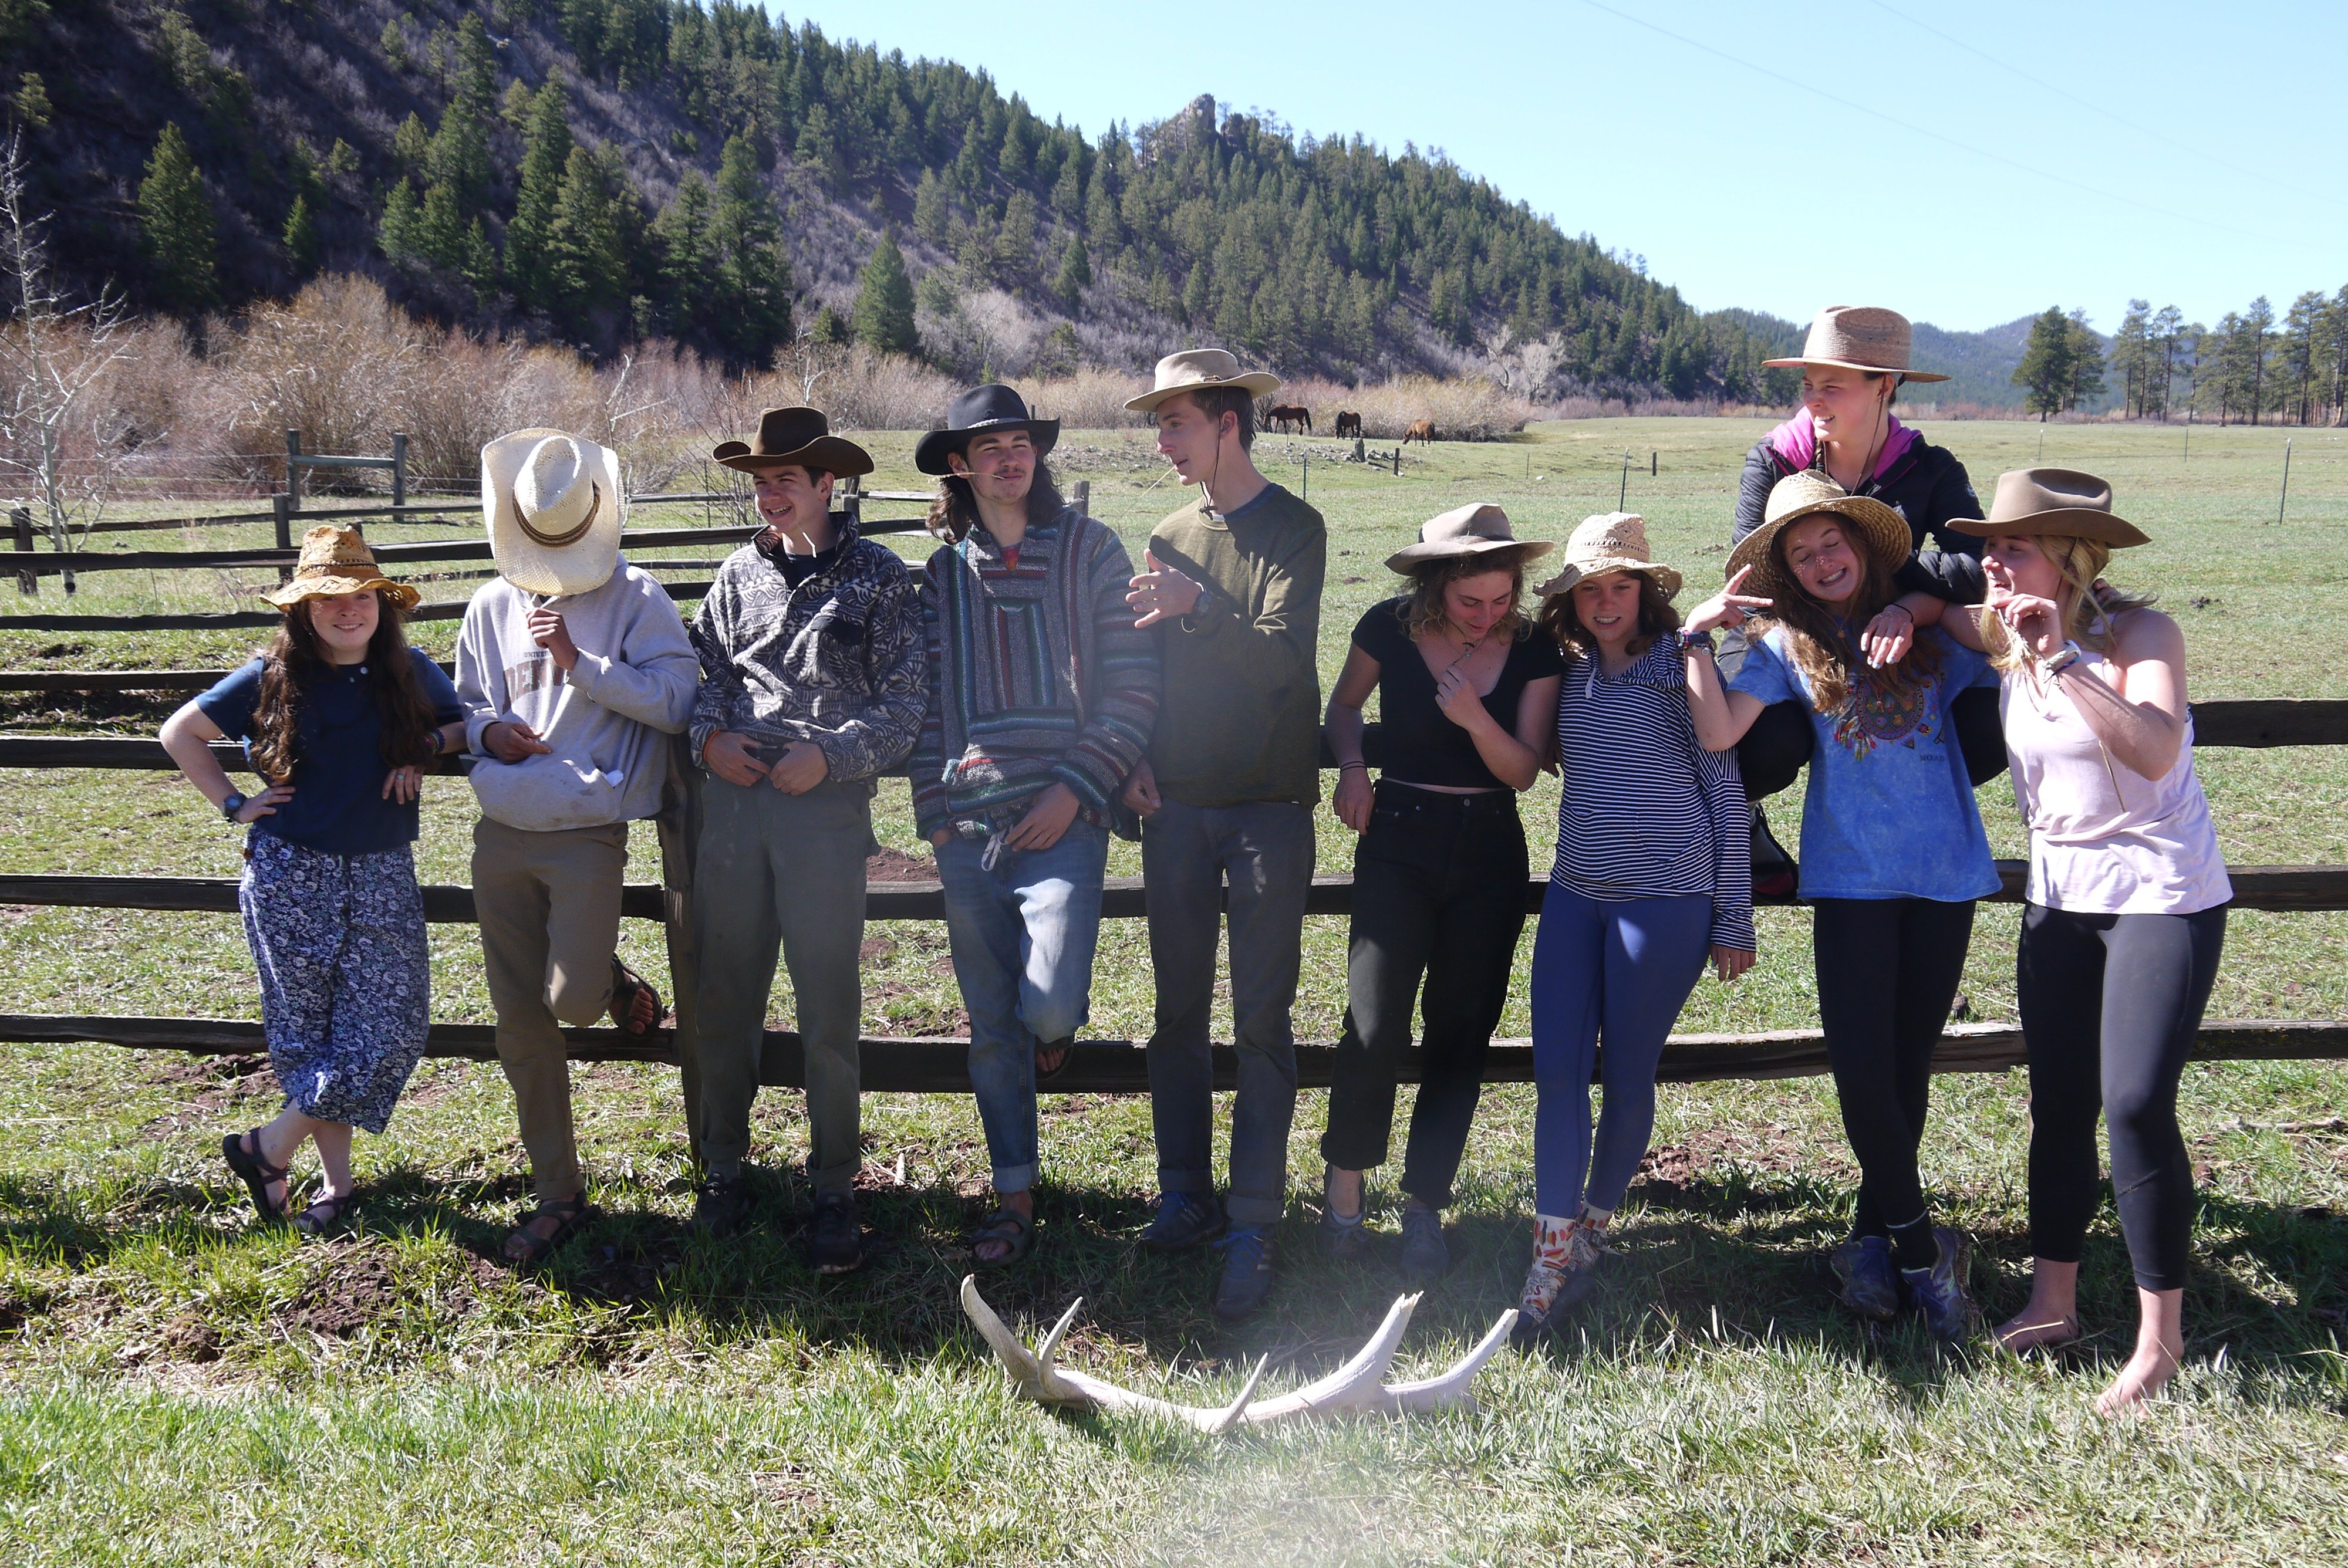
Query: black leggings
(2110, 1006)
(1888, 970)
(1771, 754)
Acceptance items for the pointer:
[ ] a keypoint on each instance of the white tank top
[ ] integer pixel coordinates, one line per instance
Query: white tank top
(2105, 840)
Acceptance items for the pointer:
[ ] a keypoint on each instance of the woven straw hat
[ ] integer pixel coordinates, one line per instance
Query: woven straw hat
(2053, 501)
(337, 562)
(554, 507)
(1195, 370)
(1879, 529)
(1860, 337)
(1477, 529)
(1610, 541)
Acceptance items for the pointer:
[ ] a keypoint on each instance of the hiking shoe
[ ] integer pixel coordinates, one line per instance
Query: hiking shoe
(1342, 1239)
(1183, 1221)
(1940, 1291)
(1563, 1272)
(1865, 1280)
(1425, 1258)
(835, 1241)
(1247, 1272)
(721, 1205)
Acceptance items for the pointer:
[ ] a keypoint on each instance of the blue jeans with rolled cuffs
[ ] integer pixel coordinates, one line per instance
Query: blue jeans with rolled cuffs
(1022, 933)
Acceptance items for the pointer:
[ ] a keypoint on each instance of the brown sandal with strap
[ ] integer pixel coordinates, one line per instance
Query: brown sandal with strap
(256, 1171)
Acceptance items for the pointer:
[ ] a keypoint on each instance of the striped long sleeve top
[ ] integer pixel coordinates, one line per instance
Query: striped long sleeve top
(1036, 675)
(1645, 811)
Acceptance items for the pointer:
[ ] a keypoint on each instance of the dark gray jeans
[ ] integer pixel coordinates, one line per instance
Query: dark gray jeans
(1265, 849)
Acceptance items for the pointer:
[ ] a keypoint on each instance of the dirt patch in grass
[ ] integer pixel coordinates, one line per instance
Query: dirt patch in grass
(896, 866)
(214, 1083)
(356, 1289)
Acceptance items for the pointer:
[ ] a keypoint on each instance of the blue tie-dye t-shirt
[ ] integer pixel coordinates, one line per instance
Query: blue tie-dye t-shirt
(1889, 812)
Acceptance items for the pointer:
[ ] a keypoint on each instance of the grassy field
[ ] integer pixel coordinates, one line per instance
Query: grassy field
(183, 1387)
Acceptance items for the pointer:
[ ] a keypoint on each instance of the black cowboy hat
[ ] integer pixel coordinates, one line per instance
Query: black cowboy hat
(976, 412)
(795, 436)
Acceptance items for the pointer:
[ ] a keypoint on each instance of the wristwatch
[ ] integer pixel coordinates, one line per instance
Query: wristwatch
(231, 804)
(2063, 658)
(1697, 640)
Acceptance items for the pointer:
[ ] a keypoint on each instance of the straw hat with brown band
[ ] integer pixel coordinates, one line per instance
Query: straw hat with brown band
(1880, 532)
(337, 561)
(1477, 529)
(1610, 541)
(2060, 501)
(1859, 337)
(1197, 369)
(554, 506)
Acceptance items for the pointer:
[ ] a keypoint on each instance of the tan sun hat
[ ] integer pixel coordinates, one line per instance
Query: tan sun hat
(1197, 369)
(1477, 529)
(335, 562)
(1610, 541)
(554, 507)
(1860, 337)
(2053, 501)
(799, 437)
(1884, 532)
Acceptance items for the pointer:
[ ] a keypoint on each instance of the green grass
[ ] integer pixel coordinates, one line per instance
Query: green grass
(177, 1385)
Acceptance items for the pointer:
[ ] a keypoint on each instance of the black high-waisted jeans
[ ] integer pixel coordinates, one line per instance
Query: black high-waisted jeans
(1439, 892)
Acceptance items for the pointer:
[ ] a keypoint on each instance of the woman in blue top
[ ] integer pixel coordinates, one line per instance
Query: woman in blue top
(1653, 877)
(339, 717)
(1892, 854)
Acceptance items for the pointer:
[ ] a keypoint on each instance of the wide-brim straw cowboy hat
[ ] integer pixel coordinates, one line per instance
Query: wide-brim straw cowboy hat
(1610, 541)
(337, 561)
(554, 507)
(1880, 531)
(801, 436)
(1197, 369)
(2061, 501)
(1477, 529)
(982, 410)
(1860, 337)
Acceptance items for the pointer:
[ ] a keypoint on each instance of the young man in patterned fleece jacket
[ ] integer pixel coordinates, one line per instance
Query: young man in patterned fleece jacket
(810, 649)
(1042, 697)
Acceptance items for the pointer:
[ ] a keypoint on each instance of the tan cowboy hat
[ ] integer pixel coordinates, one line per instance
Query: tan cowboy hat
(1195, 370)
(2053, 501)
(1860, 337)
(335, 562)
(554, 507)
(1610, 541)
(1477, 529)
(1884, 532)
(795, 436)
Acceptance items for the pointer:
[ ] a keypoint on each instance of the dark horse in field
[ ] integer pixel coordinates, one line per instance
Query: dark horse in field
(1421, 430)
(1286, 416)
(1348, 423)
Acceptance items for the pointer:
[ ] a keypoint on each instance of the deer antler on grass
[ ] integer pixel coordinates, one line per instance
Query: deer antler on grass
(1358, 1385)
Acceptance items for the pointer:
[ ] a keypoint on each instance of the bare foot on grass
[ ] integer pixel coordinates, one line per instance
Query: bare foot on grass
(2034, 1329)
(2147, 1373)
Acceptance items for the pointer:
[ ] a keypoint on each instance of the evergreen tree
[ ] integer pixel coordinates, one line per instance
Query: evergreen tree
(828, 329)
(930, 209)
(750, 300)
(883, 314)
(2045, 368)
(301, 237)
(547, 146)
(1076, 274)
(395, 235)
(175, 220)
(681, 235)
(411, 144)
(479, 263)
(2134, 356)
(815, 149)
(2086, 361)
(1015, 243)
(586, 259)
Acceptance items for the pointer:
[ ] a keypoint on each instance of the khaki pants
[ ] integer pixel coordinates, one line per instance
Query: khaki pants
(549, 907)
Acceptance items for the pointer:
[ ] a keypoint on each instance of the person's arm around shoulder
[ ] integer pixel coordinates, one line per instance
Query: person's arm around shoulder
(1720, 714)
(1356, 682)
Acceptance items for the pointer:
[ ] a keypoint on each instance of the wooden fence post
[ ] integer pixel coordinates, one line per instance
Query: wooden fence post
(851, 500)
(679, 824)
(398, 469)
(20, 524)
(293, 469)
(281, 508)
(1083, 496)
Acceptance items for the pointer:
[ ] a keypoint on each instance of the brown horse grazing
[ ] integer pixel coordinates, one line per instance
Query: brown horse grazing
(1348, 423)
(1288, 416)
(1421, 430)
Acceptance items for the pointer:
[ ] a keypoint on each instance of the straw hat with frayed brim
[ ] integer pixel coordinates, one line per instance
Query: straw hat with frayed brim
(1881, 531)
(337, 562)
(1860, 337)
(554, 506)
(1477, 529)
(1196, 370)
(1610, 541)
(982, 411)
(2059, 501)
(795, 436)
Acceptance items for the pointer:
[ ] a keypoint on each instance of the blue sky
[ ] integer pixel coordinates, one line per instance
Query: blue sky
(1786, 156)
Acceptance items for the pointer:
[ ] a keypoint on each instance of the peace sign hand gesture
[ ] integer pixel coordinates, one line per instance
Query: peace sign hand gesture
(1726, 608)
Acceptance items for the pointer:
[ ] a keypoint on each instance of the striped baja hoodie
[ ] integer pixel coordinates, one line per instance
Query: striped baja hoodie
(1036, 675)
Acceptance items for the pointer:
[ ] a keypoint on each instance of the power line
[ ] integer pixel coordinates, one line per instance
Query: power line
(1910, 125)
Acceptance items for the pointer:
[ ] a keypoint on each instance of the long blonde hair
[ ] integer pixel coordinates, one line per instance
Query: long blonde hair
(2085, 604)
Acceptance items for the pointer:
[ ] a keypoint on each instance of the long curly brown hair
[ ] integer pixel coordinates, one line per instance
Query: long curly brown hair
(296, 657)
(1825, 649)
(1426, 608)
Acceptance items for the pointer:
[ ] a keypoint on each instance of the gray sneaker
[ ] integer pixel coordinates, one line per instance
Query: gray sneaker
(1425, 1257)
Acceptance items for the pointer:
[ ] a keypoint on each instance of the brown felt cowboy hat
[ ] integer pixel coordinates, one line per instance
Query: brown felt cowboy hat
(1197, 369)
(2053, 501)
(1880, 531)
(1610, 541)
(554, 506)
(981, 411)
(801, 436)
(337, 562)
(1477, 529)
(1860, 337)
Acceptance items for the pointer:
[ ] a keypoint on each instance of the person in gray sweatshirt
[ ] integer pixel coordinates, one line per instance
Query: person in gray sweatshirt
(573, 667)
